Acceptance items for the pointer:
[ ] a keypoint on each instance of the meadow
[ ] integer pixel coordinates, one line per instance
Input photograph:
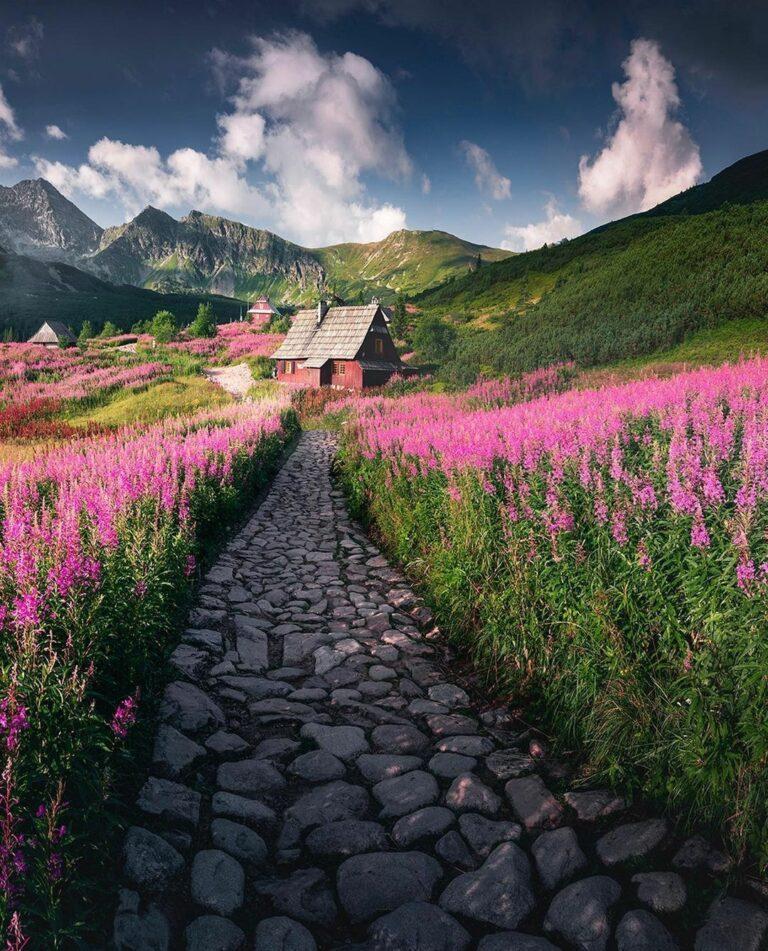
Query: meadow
(104, 523)
(601, 553)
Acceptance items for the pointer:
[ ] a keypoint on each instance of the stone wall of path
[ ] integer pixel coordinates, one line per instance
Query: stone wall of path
(321, 781)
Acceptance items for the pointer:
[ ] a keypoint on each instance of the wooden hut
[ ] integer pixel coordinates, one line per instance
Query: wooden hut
(53, 333)
(340, 346)
(261, 312)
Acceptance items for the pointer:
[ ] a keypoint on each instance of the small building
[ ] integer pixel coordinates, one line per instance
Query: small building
(340, 346)
(53, 333)
(261, 312)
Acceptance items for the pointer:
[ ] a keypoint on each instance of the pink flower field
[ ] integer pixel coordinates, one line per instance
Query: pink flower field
(233, 342)
(98, 544)
(607, 547)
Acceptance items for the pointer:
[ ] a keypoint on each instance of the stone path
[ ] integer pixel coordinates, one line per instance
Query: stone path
(320, 780)
(236, 380)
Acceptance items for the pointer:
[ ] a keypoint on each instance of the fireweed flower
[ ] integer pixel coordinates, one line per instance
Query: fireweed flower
(125, 716)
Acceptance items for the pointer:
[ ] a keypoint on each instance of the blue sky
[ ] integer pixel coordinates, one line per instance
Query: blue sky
(344, 119)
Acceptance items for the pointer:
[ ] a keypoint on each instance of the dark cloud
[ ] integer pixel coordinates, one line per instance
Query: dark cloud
(547, 44)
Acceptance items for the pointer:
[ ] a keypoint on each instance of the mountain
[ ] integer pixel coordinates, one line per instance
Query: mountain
(209, 254)
(404, 261)
(627, 288)
(32, 290)
(36, 219)
(205, 254)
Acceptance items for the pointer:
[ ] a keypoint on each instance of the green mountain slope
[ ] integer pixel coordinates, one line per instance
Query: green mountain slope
(405, 262)
(32, 290)
(625, 289)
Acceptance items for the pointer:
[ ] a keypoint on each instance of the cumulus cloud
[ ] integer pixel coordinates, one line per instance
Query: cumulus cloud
(55, 132)
(650, 155)
(9, 130)
(487, 177)
(312, 124)
(555, 226)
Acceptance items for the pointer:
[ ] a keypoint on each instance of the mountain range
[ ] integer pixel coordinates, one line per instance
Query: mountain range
(208, 254)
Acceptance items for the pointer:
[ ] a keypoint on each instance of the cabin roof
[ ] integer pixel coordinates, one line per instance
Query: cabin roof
(53, 331)
(339, 336)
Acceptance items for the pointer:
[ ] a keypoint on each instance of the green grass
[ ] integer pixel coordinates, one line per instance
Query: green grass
(177, 397)
(719, 345)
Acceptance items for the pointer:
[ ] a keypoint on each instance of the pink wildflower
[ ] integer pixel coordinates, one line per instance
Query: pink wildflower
(125, 716)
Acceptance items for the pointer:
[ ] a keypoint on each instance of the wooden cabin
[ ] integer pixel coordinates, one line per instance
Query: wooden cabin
(54, 333)
(261, 312)
(342, 346)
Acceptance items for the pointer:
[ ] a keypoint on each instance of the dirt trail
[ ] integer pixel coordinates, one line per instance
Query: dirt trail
(236, 380)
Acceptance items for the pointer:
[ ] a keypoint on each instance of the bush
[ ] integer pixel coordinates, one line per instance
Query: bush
(204, 324)
(164, 326)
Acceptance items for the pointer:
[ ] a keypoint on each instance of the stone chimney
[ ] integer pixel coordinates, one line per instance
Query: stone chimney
(322, 310)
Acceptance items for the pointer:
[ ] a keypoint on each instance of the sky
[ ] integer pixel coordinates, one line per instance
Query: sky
(510, 124)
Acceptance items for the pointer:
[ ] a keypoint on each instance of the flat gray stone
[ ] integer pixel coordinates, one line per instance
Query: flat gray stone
(509, 764)
(378, 766)
(331, 802)
(533, 804)
(150, 862)
(484, 835)
(217, 882)
(631, 840)
(449, 695)
(136, 930)
(317, 766)
(732, 925)
(187, 708)
(172, 802)
(466, 745)
(347, 837)
(697, 853)
(276, 748)
(239, 841)
(499, 893)
(642, 931)
(557, 856)
(305, 895)
(407, 793)
(212, 933)
(579, 913)
(451, 724)
(662, 891)
(251, 811)
(450, 765)
(251, 776)
(467, 793)
(369, 885)
(593, 804)
(417, 926)
(345, 742)
(223, 743)
(190, 661)
(282, 934)
(399, 738)
(427, 823)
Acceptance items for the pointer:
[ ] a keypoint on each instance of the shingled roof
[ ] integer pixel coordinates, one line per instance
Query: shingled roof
(53, 331)
(339, 336)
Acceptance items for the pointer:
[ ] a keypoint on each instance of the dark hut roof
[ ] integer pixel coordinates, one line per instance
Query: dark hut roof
(339, 336)
(53, 331)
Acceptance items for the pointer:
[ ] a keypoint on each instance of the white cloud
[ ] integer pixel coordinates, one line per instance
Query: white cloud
(9, 130)
(55, 132)
(426, 184)
(487, 177)
(24, 41)
(650, 156)
(312, 125)
(556, 226)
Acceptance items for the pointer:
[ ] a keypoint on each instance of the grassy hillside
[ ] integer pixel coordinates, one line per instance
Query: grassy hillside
(626, 289)
(405, 262)
(31, 291)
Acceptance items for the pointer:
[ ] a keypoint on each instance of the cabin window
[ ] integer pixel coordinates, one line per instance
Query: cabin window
(339, 368)
(289, 366)
(378, 346)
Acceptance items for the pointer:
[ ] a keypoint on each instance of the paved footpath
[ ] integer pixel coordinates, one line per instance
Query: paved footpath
(321, 781)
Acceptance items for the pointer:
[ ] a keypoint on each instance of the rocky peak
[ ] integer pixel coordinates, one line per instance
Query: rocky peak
(35, 218)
